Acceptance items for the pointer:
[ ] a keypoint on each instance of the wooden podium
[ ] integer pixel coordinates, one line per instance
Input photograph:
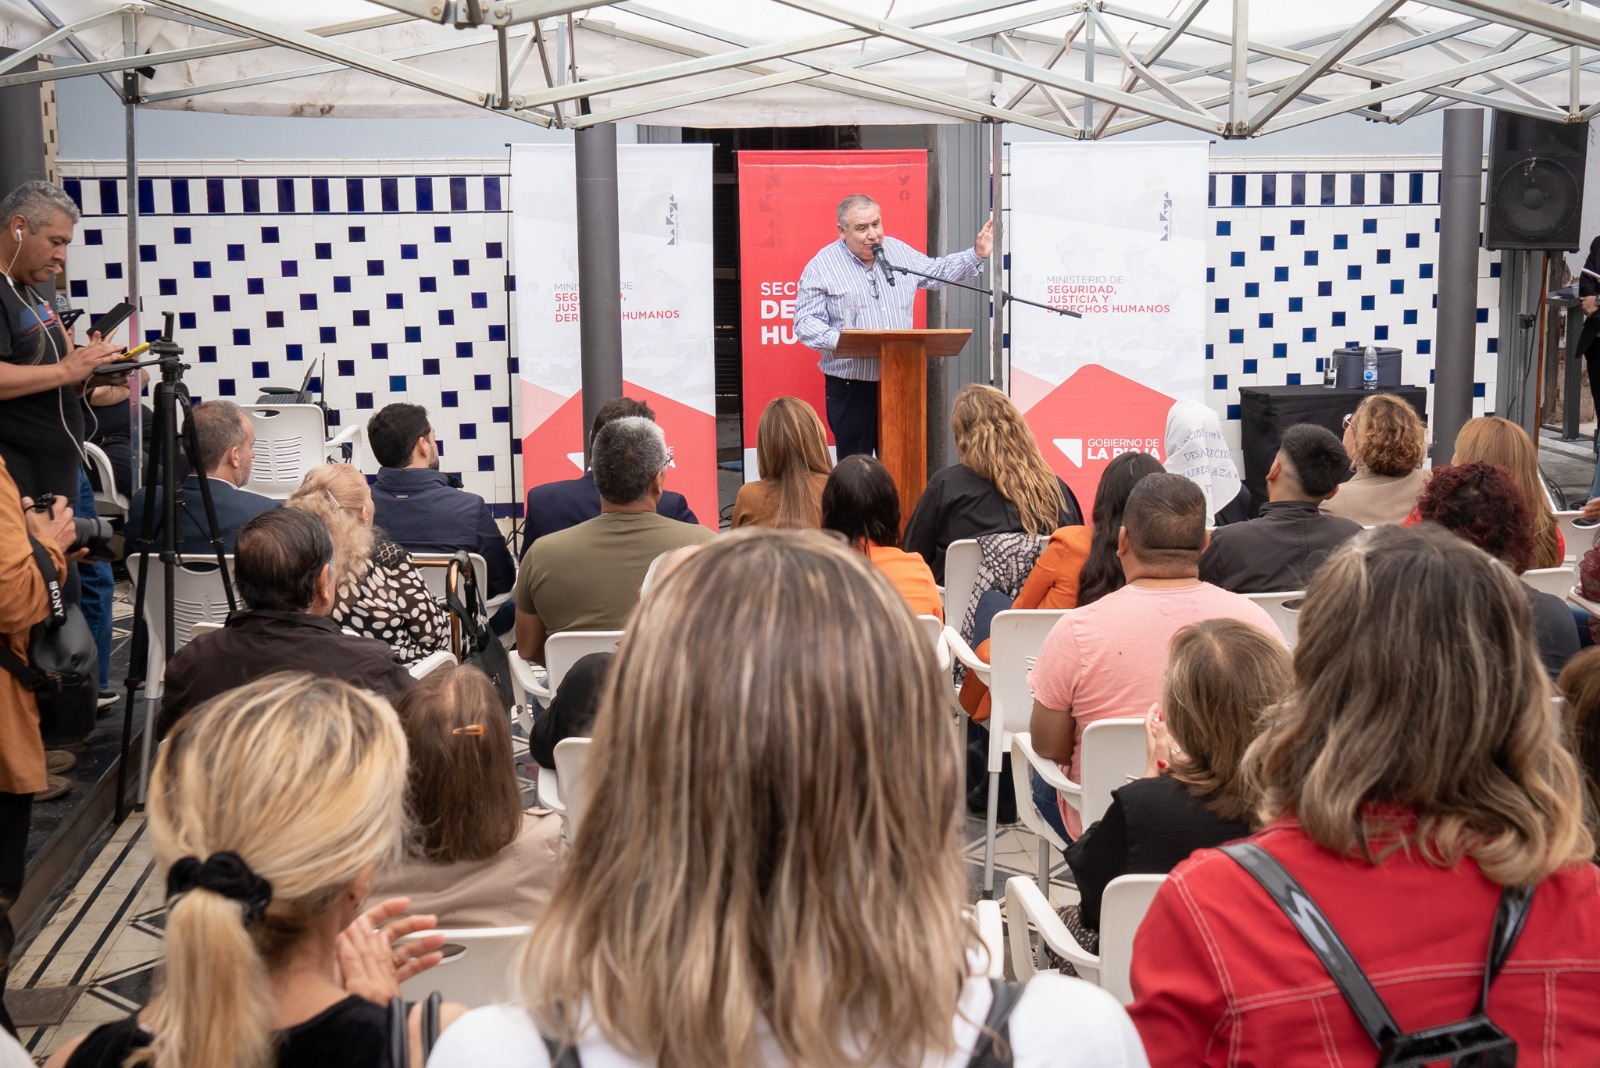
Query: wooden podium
(903, 357)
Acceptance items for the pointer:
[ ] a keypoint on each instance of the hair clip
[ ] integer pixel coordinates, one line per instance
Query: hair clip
(472, 729)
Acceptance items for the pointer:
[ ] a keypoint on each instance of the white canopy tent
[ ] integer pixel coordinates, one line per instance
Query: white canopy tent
(1227, 68)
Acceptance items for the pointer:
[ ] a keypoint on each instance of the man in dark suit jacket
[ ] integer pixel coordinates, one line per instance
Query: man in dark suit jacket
(285, 579)
(421, 507)
(558, 505)
(227, 445)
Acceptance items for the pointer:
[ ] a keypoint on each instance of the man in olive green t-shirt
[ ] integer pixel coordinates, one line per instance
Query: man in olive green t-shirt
(587, 577)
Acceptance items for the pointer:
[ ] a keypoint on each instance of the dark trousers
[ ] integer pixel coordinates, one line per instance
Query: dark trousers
(15, 812)
(852, 415)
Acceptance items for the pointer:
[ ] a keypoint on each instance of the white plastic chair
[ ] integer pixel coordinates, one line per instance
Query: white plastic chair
(961, 560)
(107, 501)
(479, 966)
(933, 629)
(1577, 539)
(1113, 756)
(291, 439)
(432, 662)
(992, 930)
(1574, 597)
(1555, 581)
(1284, 608)
(1122, 909)
(561, 651)
(572, 754)
(198, 598)
(1014, 641)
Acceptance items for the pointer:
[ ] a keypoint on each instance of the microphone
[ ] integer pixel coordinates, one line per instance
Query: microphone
(883, 261)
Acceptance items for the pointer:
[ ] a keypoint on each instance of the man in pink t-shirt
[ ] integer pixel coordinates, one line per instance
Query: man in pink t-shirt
(1106, 659)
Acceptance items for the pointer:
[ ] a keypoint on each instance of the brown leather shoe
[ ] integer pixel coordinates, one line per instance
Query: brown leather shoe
(55, 786)
(59, 761)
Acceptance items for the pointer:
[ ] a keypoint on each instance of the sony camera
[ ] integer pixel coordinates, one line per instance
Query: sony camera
(93, 533)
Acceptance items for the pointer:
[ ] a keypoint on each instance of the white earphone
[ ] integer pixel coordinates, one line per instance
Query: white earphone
(18, 232)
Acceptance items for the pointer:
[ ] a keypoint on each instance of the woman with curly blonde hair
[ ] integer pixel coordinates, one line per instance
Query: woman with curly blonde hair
(1386, 442)
(1001, 485)
(378, 594)
(767, 873)
(792, 458)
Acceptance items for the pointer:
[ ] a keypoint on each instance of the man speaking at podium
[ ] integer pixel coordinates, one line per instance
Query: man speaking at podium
(845, 288)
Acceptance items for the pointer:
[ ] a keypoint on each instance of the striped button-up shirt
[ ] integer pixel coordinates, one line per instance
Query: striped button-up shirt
(839, 292)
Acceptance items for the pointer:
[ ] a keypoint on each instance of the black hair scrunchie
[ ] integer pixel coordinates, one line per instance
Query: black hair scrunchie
(226, 874)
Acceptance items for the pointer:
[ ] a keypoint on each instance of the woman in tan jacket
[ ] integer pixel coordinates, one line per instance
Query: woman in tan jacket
(792, 457)
(1387, 442)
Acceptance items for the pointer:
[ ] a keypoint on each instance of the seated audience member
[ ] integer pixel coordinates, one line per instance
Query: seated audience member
(1279, 551)
(475, 857)
(1001, 485)
(421, 507)
(1493, 440)
(816, 914)
(587, 577)
(1386, 442)
(1078, 567)
(1221, 676)
(572, 710)
(792, 459)
(1197, 450)
(558, 505)
(1579, 687)
(269, 810)
(1482, 503)
(227, 443)
(284, 575)
(377, 593)
(1414, 773)
(1105, 659)
(861, 502)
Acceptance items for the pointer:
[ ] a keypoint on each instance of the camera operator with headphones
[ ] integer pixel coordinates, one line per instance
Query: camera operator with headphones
(41, 421)
(24, 601)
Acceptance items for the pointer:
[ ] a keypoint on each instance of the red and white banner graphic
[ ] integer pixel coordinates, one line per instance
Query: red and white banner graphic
(1116, 233)
(664, 208)
(788, 210)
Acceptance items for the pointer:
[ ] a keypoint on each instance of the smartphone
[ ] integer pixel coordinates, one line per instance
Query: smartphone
(111, 320)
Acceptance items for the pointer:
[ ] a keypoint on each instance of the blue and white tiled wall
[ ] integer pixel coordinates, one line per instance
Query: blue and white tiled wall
(396, 273)
(1311, 254)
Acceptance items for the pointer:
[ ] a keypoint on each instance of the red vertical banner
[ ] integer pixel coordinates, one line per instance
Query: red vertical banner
(788, 210)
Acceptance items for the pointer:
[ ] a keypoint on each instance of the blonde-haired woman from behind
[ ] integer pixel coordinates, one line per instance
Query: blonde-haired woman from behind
(767, 872)
(792, 458)
(270, 808)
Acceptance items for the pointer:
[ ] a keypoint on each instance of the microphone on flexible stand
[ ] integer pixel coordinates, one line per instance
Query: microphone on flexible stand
(883, 261)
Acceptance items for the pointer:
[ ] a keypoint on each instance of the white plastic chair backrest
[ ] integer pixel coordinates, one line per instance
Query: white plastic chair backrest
(197, 598)
(431, 663)
(1122, 909)
(1113, 756)
(1555, 581)
(1015, 638)
(479, 966)
(1284, 608)
(435, 569)
(107, 501)
(289, 442)
(563, 650)
(1579, 540)
(933, 630)
(961, 562)
(572, 754)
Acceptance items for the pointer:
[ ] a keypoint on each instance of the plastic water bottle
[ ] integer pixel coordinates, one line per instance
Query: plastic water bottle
(1330, 373)
(1369, 368)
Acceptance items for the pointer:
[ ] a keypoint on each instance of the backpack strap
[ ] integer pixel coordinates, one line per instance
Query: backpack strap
(1291, 897)
(996, 1028)
(399, 1040)
(1515, 904)
(430, 1024)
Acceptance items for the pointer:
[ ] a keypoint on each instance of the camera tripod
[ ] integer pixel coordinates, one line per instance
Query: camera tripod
(162, 468)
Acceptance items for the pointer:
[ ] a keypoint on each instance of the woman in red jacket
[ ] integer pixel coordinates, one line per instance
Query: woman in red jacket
(1414, 772)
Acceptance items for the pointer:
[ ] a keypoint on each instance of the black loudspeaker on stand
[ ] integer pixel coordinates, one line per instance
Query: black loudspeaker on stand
(1535, 188)
(163, 470)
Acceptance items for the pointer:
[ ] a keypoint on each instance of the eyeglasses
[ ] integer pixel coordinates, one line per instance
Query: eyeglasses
(1348, 419)
(872, 279)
